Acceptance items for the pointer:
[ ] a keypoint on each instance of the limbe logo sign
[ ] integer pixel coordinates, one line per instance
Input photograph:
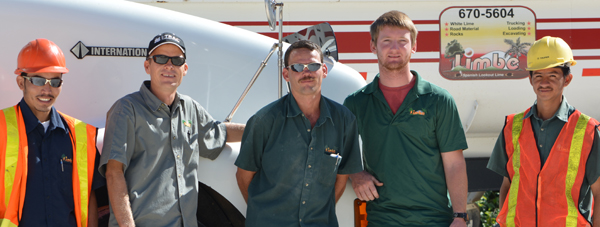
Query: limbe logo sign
(80, 51)
(485, 42)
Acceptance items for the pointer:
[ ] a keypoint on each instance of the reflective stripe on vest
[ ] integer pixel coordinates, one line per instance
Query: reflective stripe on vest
(516, 164)
(13, 138)
(84, 143)
(84, 153)
(548, 195)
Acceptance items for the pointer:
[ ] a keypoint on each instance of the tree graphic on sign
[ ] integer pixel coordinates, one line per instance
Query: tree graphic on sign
(454, 51)
(453, 48)
(516, 48)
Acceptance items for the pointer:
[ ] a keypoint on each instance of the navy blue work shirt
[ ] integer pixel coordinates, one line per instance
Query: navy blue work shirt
(49, 190)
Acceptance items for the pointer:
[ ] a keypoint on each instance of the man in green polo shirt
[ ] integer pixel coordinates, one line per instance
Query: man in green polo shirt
(297, 152)
(548, 154)
(412, 138)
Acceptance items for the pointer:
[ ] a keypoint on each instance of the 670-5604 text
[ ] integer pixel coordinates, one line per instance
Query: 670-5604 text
(489, 13)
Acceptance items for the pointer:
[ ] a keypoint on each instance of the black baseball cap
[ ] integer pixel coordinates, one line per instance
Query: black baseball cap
(166, 38)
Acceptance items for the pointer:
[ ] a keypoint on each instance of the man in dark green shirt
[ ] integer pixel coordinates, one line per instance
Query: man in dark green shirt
(297, 152)
(413, 152)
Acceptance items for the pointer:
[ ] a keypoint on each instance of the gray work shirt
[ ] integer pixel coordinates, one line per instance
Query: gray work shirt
(160, 149)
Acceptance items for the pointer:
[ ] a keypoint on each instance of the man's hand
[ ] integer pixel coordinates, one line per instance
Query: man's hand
(458, 222)
(364, 184)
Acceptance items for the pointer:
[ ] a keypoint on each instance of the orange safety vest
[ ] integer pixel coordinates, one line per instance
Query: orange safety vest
(13, 162)
(548, 195)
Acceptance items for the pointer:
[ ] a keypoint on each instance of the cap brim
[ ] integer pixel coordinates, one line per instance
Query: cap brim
(168, 42)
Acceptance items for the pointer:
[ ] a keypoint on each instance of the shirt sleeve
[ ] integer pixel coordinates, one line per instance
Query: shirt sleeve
(211, 133)
(498, 159)
(119, 135)
(351, 160)
(98, 180)
(449, 130)
(348, 104)
(253, 145)
(592, 169)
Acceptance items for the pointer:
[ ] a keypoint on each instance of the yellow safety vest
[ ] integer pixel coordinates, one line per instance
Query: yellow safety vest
(13, 160)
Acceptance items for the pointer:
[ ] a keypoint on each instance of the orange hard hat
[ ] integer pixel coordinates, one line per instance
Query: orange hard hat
(41, 56)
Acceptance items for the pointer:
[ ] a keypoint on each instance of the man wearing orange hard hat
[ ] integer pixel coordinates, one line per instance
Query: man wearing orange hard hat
(548, 154)
(49, 159)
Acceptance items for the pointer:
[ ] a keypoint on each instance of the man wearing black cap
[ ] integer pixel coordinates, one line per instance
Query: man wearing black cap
(153, 141)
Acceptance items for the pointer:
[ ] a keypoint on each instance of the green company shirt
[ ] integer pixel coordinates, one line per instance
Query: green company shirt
(546, 133)
(403, 151)
(295, 172)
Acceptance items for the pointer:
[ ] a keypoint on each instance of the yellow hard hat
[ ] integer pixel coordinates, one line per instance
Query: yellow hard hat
(549, 52)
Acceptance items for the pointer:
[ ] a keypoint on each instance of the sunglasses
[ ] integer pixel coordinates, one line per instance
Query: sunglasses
(39, 81)
(163, 59)
(300, 67)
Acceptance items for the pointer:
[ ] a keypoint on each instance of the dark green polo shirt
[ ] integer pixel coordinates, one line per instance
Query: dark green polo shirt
(546, 133)
(295, 171)
(403, 151)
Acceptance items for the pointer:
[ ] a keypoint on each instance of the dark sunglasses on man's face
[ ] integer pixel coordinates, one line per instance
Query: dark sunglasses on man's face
(163, 59)
(39, 81)
(300, 67)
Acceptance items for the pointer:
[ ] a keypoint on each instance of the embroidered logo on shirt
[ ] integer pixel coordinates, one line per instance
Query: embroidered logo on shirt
(187, 123)
(64, 158)
(329, 150)
(417, 112)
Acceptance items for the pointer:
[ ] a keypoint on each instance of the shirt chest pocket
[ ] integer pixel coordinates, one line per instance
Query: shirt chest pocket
(65, 171)
(417, 124)
(191, 139)
(327, 168)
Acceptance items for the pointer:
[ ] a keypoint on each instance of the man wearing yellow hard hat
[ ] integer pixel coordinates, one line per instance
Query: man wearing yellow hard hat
(49, 160)
(548, 154)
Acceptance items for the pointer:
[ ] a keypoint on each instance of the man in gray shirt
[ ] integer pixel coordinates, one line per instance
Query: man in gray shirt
(153, 141)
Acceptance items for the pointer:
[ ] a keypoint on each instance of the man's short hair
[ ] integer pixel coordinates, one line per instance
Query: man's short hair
(394, 18)
(301, 44)
(565, 70)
